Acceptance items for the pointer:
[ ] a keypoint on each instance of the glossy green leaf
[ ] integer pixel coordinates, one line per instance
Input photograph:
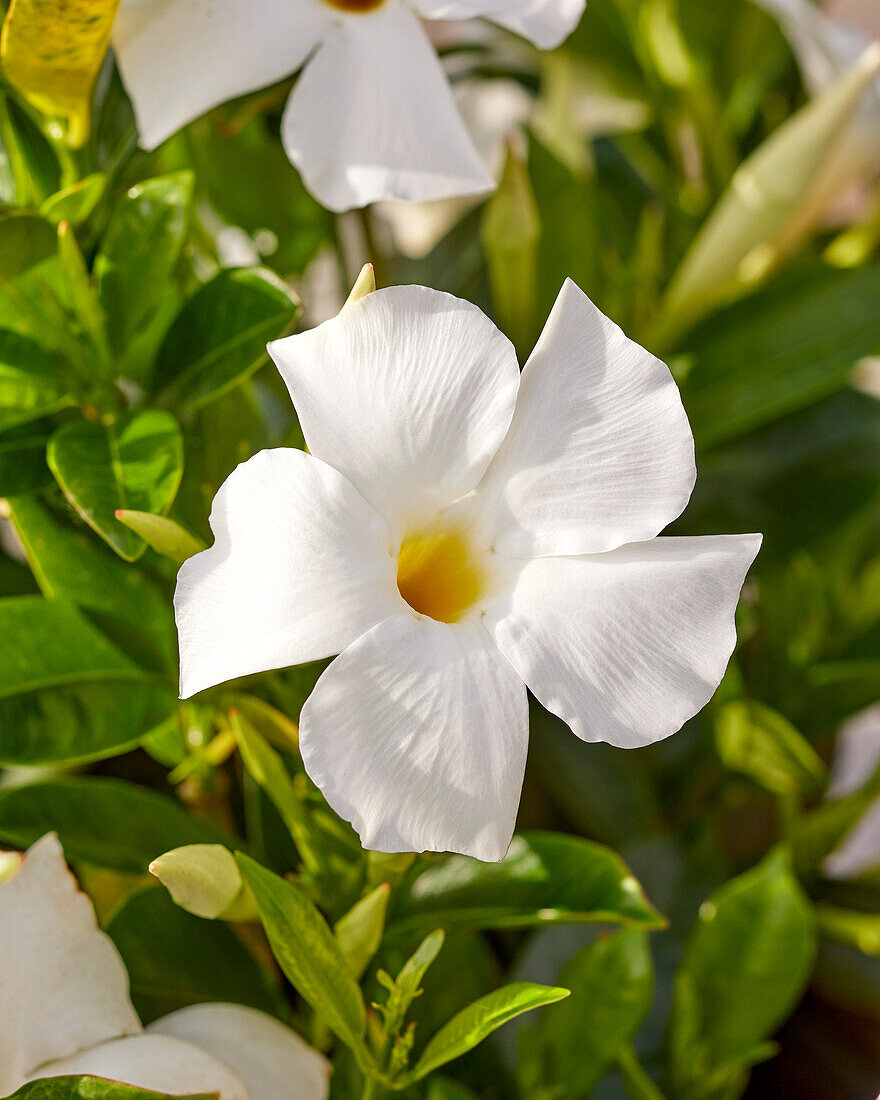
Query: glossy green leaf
(25, 243)
(611, 983)
(745, 964)
(32, 382)
(69, 564)
(779, 350)
(139, 251)
(105, 822)
(164, 535)
(220, 336)
(476, 1022)
(66, 693)
(74, 204)
(23, 466)
(91, 1088)
(546, 878)
(83, 300)
(755, 740)
(199, 961)
(136, 464)
(307, 952)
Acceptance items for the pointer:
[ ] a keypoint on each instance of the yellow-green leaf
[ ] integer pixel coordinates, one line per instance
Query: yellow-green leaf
(52, 51)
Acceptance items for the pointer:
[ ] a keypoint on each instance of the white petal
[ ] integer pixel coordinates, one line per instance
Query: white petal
(418, 735)
(856, 756)
(63, 985)
(153, 1062)
(373, 117)
(272, 1060)
(299, 568)
(547, 23)
(626, 646)
(600, 451)
(408, 392)
(178, 58)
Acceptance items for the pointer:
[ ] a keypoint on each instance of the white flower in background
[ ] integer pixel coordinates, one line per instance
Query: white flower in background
(825, 49)
(856, 757)
(456, 533)
(65, 1008)
(372, 115)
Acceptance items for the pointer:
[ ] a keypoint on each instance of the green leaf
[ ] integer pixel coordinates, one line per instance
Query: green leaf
(92, 1088)
(23, 466)
(767, 205)
(69, 564)
(359, 932)
(816, 834)
(174, 959)
(105, 822)
(476, 1022)
(612, 984)
(164, 535)
(74, 204)
(66, 693)
(220, 336)
(307, 952)
(139, 251)
(408, 982)
(83, 300)
(780, 350)
(862, 930)
(638, 1085)
(744, 966)
(546, 878)
(31, 381)
(755, 740)
(26, 243)
(136, 464)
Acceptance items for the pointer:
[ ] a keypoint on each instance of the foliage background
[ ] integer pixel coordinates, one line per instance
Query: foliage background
(136, 297)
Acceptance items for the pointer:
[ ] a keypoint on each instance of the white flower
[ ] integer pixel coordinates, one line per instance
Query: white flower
(856, 758)
(456, 534)
(372, 115)
(65, 1008)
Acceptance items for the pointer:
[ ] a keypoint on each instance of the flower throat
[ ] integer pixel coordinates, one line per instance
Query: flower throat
(438, 576)
(356, 6)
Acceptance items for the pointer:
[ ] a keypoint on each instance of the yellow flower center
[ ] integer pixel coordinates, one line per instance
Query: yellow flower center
(357, 6)
(438, 575)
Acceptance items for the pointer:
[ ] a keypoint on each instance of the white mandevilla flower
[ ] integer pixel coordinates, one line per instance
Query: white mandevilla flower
(372, 115)
(459, 532)
(65, 1008)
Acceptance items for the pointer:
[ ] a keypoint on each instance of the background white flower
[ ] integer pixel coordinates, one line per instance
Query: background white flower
(456, 534)
(65, 1008)
(372, 115)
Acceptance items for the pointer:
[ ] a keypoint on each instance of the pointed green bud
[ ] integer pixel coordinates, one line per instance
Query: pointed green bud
(770, 204)
(511, 232)
(365, 284)
(164, 535)
(204, 879)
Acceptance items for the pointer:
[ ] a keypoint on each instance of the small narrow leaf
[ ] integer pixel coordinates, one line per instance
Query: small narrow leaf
(74, 204)
(474, 1023)
(307, 952)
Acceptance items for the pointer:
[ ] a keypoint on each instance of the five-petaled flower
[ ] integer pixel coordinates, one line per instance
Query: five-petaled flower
(65, 1008)
(458, 532)
(372, 115)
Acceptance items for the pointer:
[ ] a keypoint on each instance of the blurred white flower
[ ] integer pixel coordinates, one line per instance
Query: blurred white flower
(372, 115)
(825, 49)
(456, 533)
(65, 1008)
(856, 758)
